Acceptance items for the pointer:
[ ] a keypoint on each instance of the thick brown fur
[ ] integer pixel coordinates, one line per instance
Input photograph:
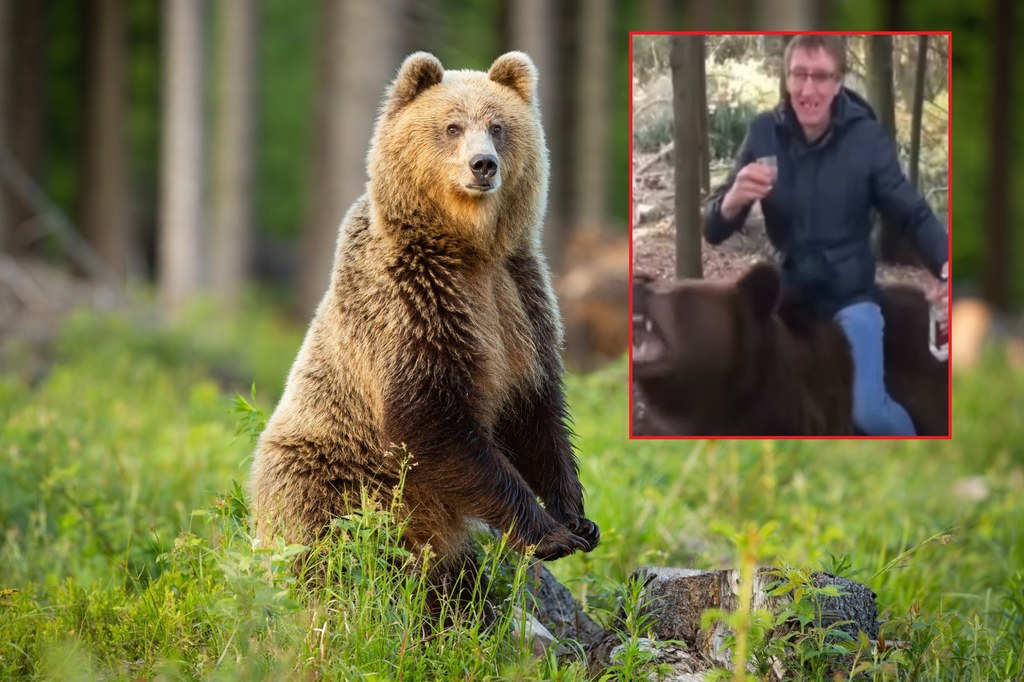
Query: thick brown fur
(439, 332)
(741, 358)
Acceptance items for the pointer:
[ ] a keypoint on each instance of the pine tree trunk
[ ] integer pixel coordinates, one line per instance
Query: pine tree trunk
(918, 110)
(533, 27)
(181, 214)
(796, 15)
(701, 92)
(104, 189)
(880, 86)
(359, 56)
(656, 16)
(6, 105)
(894, 246)
(686, 56)
(25, 111)
(592, 133)
(779, 44)
(233, 153)
(997, 263)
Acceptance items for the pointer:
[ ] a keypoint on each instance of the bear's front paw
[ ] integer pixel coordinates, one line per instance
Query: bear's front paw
(558, 543)
(586, 529)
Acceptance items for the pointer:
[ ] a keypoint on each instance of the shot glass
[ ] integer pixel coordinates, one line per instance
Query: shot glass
(772, 164)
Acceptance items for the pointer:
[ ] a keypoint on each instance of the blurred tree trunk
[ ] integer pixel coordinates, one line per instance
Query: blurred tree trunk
(703, 144)
(701, 14)
(563, 122)
(25, 114)
(358, 56)
(821, 14)
(104, 172)
(181, 212)
(793, 15)
(893, 245)
(880, 87)
(997, 264)
(656, 16)
(533, 26)
(233, 149)
(894, 15)
(917, 110)
(421, 27)
(686, 55)
(592, 106)
(6, 105)
(775, 47)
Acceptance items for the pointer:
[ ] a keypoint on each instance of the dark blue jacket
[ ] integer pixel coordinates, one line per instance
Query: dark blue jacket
(817, 215)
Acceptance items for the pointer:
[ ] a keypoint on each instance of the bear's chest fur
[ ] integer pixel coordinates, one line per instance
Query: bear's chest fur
(508, 357)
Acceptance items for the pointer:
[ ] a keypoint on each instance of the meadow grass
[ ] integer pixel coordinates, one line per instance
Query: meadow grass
(125, 552)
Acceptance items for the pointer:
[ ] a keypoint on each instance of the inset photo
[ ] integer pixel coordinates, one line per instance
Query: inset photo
(790, 199)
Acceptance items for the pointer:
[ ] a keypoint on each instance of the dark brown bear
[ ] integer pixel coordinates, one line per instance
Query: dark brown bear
(439, 332)
(736, 358)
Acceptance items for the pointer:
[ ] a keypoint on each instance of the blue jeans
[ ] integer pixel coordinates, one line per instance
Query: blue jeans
(874, 412)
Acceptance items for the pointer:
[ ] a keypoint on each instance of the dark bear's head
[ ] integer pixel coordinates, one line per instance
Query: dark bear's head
(465, 143)
(695, 330)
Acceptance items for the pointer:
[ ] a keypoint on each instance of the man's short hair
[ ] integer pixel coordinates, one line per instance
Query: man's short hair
(834, 46)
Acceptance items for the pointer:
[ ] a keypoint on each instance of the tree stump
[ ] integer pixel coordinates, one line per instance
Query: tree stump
(676, 598)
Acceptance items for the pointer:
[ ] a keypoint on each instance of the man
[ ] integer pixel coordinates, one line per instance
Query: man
(832, 163)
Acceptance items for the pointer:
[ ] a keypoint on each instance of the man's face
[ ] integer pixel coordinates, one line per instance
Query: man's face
(813, 81)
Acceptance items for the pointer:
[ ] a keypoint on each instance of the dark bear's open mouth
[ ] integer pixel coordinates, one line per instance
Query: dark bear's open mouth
(648, 345)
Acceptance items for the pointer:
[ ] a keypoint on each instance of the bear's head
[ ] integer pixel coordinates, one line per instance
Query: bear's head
(462, 150)
(693, 331)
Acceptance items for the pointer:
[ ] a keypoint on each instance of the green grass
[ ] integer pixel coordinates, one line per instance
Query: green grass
(124, 553)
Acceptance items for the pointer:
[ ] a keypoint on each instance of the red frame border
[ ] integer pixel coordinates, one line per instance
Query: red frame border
(949, 223)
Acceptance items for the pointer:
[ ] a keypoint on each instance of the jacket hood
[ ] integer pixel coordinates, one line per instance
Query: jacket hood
(850, 106)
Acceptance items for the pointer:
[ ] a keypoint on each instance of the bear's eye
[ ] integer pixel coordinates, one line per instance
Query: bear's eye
(453, 129)
(496, 130)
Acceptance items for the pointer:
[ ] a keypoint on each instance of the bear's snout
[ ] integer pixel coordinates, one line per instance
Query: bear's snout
(484, 166)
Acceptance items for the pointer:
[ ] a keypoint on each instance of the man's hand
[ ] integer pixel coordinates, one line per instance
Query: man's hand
(938, 296)
(752, 183)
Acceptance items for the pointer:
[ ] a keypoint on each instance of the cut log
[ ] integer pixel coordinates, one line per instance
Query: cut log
(678, 597)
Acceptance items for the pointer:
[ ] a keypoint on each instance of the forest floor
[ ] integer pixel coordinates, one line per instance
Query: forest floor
(126, 553)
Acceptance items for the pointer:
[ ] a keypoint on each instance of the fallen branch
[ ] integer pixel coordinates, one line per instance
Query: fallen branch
(56, 222)
(665, 151)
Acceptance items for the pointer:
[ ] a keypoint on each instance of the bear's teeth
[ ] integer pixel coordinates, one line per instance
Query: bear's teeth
(646, 352)
(648, 324)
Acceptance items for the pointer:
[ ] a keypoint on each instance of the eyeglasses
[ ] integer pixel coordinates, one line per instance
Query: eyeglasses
(819, 78)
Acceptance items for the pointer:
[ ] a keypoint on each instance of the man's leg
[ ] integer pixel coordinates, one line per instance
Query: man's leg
(874, 412)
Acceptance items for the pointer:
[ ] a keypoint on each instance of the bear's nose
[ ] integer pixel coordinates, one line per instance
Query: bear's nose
(484, 166)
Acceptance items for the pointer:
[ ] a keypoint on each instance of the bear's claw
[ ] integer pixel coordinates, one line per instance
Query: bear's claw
(588, 530)
(560, 543)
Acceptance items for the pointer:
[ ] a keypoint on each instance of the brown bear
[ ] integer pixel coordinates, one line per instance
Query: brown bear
(741, 358)
(438, 336)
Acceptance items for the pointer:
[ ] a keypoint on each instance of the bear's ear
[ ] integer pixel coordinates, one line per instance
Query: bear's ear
(761, 288)
(515, 70)
(419, 71)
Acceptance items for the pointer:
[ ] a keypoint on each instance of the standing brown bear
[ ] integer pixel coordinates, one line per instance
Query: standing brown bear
(439, 331)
